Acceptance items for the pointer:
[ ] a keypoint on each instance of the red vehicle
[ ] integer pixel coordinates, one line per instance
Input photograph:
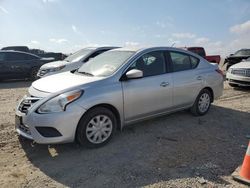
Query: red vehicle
(201, 51)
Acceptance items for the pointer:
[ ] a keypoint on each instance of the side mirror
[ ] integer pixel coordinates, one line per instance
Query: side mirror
(134, 73)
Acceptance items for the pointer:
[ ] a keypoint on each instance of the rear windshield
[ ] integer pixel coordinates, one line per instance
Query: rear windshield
(198, 51)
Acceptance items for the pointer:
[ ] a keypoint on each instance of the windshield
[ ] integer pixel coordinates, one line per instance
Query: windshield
(242, 52)
(106, 63)
(78, 55)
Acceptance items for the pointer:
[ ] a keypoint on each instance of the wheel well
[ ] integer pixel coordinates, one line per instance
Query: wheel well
(112, 109)
(211, 91)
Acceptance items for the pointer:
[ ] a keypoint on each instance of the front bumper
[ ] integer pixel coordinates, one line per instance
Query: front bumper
(237, 79)
(29, 124)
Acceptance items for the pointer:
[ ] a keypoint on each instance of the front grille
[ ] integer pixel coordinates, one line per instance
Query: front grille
(27, 103)
(241, 72)
(243, 83)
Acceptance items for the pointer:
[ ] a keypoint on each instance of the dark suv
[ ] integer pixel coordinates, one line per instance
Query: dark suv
(20, 65)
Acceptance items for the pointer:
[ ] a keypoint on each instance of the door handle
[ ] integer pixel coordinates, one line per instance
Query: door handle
(199, 78)
(164, 84)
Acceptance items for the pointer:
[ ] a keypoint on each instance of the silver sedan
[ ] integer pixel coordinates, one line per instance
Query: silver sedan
(118, 87)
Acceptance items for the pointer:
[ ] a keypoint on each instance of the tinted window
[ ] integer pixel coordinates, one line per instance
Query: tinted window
(194, 61)
(151, 64)
(2, 56)
(180, 61)
(20, 56)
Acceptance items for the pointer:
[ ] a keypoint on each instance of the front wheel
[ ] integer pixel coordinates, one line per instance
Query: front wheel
(202, 103)
(96, 127)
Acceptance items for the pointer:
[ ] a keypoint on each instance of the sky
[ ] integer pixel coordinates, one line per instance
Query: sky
(221, 26)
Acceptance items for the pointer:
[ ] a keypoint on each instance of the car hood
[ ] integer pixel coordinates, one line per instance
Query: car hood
(62, 81)
(54, 64)
(245, 64)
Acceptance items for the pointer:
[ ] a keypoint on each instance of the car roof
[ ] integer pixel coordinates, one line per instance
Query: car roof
(136, 49)
(102, 48)
(20, 52)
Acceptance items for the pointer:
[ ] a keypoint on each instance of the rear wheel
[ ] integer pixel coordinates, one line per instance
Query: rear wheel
(96, 127)
(202, 103)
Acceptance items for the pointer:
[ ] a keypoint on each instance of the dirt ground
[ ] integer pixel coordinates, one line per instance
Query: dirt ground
(177, 150)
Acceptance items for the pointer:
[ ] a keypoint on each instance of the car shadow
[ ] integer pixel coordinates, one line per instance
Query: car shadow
(13, 84)
(165, 148)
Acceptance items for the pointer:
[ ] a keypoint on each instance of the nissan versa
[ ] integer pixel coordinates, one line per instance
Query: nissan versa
(116, 88)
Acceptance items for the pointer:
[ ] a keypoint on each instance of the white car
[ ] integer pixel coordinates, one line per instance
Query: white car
(239, 74)
(72, 62)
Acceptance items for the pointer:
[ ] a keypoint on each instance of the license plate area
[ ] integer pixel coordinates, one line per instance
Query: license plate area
(20, 125)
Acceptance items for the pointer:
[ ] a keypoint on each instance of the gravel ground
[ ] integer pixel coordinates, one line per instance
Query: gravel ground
(177, 150)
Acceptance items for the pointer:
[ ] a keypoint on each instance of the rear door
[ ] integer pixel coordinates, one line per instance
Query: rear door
(187, 80)
(151, 94)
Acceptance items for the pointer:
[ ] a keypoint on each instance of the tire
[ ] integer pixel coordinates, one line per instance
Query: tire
(233, 85)
(205, 98)
(88, 127)
(33, 73)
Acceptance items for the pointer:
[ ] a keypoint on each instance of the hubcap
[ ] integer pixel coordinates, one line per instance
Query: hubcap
(99, 129)
(204, 102)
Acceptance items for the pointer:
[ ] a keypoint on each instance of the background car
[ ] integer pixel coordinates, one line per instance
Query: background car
(239, 74)
(20, 65)
(116, 88)
(237, 57)
(38, 52)
(72, 62)
(201, 51)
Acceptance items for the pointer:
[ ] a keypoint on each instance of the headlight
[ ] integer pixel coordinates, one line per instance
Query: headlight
(59, 103)
(230, 70)
(56, 69)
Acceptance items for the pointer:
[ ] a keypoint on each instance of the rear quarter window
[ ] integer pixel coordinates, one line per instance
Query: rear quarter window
(182, 61)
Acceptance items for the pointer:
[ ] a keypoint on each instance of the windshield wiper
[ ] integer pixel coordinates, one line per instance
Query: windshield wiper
(85, 73)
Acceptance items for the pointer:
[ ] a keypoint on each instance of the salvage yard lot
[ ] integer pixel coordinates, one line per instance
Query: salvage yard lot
(177, 150)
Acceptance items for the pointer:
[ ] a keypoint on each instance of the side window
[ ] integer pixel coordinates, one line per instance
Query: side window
(194, 62)
(19, 57)
(151, 64)
(2, 56)
(180, 61)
